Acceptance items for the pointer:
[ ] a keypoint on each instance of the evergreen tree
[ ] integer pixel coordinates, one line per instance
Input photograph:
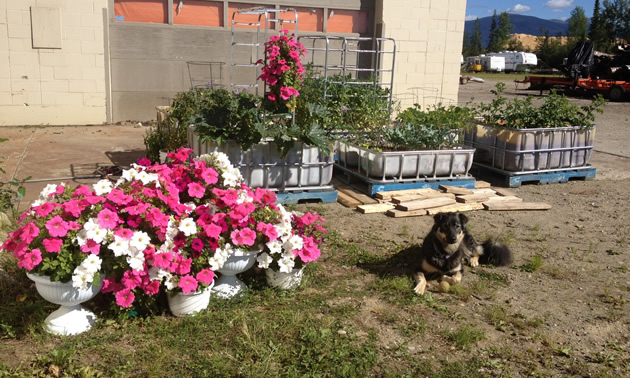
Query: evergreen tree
(550, 51)
(594, 31)
(503, 31)
(606, 28)
(578, 26)
(476, 46)
(492, 41)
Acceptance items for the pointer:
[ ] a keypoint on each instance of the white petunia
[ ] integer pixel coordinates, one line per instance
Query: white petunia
(274, 246)
(81, 237)
(136, 263)
(81, 279)
(92, 264)
(98, 234)
(103, 187)
(140, 240)
(47, 191)
(188, 226)
(286, 264)
(264, 260)
(293, 243)
(38, 202)
(120, 246)
(129, 174)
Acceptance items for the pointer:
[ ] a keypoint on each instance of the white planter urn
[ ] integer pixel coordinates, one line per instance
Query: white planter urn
(228, 285)
(188, 304)
(285, 281)
(71, 318)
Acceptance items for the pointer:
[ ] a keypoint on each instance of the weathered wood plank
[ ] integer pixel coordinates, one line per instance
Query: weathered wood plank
(402, 214)
(504, 192)
(375, 208)
(504, 199)
(486, 191)
(455, 189)
(425, 203)
(394, 193)
(479, 184)
(361, 197)
(416, 197)
(455, 208)
(498, 206)
(346, 200)
(470, 198)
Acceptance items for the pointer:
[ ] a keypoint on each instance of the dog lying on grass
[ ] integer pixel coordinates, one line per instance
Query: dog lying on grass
(448, 246)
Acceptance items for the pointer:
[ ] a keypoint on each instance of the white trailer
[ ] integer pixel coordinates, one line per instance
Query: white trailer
(517, 60)
(492, 63)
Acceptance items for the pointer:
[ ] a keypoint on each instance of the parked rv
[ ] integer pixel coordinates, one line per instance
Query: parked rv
(485, 63)
(517, 60)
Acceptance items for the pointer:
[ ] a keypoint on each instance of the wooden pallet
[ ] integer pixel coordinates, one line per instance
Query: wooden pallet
(373, 186)
(515, 179)
(311, 195)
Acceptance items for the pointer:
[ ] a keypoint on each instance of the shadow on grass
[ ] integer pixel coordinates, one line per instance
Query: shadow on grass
(402, 263)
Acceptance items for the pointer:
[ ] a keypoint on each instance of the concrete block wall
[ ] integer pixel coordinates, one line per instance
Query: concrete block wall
(429, 35)
(58, 78)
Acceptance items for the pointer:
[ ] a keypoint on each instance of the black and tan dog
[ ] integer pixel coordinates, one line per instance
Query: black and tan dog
(448, 246)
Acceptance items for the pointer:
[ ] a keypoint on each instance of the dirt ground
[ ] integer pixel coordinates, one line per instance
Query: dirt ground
(569, 315)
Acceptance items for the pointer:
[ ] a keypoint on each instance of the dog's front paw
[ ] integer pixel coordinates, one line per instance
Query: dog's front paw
(474, 261)
(420, 288)
(421, 283)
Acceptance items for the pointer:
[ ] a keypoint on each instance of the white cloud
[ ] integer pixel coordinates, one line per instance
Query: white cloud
(559, 4)
(471, 18)
(519, 8)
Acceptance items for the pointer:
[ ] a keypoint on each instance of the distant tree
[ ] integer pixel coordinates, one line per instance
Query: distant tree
(476, 46)
(622, 19)
(515, 44)
(578, 26)
(607, 37)
(551, 51)
(595, 31)
(492, 40)
(503, 31)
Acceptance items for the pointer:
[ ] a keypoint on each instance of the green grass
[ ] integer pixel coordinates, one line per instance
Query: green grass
(533, 265)
(465, 336)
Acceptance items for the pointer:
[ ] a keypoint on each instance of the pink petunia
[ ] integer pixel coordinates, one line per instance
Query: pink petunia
(124, 233)
(110, 286)
(30, 259)
(210, 176)
(285, 93)
(58, 191)
(212, 230)
(205, 276)
(309, 252)
(197, 244)
(184, 266)
(52, 245)
(44, 209)
(57, 227)
(271, 96)
(108, 219)
(196, 190)
(268, 230)
(152, 288)
(91, 246)
(29, 232)
(74, 207)
(163, 260)
(245, 236)
(124, 298)
(119, 197)
(188, 284)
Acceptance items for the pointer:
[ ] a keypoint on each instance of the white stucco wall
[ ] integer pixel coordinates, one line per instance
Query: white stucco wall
(52, 62)
(429, 35)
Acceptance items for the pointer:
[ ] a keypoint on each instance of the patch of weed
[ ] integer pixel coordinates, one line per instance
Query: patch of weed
(465, 336)
(533, 265)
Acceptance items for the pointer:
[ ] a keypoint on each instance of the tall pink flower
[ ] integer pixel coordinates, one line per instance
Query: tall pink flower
(57, 227)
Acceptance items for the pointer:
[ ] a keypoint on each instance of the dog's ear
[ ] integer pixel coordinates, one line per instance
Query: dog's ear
(463, 219)
(439, 217)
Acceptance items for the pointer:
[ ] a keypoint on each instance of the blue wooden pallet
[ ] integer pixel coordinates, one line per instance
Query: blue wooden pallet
(319, 195)
(371, 186)
(515, 179)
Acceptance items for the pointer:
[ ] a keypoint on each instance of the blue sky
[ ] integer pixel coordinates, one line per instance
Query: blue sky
(545, 9)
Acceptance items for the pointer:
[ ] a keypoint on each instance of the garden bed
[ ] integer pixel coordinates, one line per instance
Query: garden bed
(263, 166)
(405, 165)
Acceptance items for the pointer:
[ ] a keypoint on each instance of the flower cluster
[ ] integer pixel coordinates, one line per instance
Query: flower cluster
(159, 227)
(283, 70)
(297, 242)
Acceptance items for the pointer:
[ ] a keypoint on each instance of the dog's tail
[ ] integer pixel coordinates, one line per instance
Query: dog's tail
(495, 253)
